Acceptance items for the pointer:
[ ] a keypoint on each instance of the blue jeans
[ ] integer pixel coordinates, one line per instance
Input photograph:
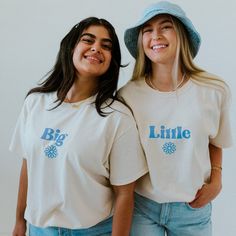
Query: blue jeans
(171, 219)
(103, 228)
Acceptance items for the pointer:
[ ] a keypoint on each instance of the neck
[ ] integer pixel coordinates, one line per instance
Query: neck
(81, 89)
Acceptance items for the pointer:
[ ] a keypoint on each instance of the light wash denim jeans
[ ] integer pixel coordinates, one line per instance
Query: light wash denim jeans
(171, 219)
(103, 228)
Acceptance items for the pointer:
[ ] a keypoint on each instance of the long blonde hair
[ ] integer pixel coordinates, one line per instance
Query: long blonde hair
(143, 67)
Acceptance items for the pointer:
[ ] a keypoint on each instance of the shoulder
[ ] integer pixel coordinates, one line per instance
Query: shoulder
(119, 116)
(211, 82)
(213, 88)
(118, 109)
(37, 98)
(31, 98)
(131, 86)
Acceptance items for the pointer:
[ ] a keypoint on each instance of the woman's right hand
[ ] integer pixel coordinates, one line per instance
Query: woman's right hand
(20, 228)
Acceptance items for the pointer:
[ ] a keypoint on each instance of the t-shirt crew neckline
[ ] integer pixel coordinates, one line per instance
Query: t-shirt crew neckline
(73, 105)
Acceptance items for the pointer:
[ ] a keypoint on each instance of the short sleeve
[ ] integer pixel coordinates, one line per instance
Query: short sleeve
(127, 161)
(223, 138)
(17, 144)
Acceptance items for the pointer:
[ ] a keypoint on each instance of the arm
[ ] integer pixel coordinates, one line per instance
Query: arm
(216, 167)
(20, 225)
(210, 190)
(124, 204)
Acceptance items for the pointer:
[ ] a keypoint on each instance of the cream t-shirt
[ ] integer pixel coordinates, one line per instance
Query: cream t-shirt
(73, 157)
(175, 130)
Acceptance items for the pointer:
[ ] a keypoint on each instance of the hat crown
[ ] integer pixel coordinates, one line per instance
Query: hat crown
(163, 6)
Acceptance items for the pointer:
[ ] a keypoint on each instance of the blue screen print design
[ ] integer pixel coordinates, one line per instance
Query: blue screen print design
(171, 135)
(57, 140)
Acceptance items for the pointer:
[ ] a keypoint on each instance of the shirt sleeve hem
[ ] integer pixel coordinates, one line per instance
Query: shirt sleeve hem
(129, 180)
(225, 145)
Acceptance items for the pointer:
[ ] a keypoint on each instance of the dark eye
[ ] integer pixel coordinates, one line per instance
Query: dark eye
(166, 27)
(146, 30)
(107, 47)
(87, 40)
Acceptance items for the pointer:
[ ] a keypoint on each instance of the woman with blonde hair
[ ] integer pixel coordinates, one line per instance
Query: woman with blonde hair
(181, 113)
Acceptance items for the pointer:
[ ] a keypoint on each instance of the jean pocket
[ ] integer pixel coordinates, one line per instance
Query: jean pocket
(198, 208)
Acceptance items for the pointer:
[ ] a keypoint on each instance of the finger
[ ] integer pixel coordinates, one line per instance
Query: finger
(197, 196)
(197, 202)
(200, 202)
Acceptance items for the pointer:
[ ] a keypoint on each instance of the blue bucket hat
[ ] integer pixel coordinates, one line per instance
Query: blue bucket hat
(163, 7)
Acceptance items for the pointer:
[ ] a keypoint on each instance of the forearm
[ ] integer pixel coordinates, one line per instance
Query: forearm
(20, 226)
(22, 193)
(209, 191)
(122, 217)
(123, 212)
(216, 164)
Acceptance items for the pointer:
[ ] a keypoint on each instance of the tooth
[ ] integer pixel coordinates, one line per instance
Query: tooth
(158, 46)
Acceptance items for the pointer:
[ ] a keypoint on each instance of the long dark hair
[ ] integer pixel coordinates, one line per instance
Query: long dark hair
(63, 74)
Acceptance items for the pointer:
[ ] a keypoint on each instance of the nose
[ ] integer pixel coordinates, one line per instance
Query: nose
(156, 35)
(96, 48)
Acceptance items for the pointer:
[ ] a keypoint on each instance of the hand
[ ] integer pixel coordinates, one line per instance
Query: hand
(206, 194)
(20, 228)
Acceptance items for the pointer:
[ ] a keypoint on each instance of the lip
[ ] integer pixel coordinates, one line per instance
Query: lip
(94, 58)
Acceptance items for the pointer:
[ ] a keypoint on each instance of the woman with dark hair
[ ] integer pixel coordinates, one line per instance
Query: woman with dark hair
(78, 142)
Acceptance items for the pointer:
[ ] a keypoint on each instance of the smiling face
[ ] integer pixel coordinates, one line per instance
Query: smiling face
(92, 54)
(159, 39)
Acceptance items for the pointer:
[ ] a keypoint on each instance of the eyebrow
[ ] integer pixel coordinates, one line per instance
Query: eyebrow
(94, 37)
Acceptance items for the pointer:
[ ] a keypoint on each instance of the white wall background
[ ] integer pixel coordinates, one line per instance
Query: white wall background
(30, 33)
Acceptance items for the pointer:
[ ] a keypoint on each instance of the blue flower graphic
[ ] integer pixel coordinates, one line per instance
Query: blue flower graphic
(169, 148)
(51, 151)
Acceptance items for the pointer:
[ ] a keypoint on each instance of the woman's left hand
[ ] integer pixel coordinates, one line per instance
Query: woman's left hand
(206, 194)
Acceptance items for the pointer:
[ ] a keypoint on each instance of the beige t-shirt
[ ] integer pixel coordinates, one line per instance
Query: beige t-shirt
(73, 156)
(175, 130)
